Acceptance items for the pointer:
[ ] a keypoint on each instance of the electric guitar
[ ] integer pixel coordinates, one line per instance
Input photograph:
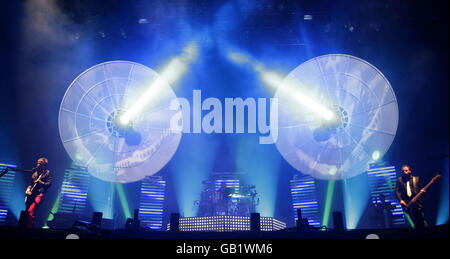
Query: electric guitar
(413, 200)
(30, 189)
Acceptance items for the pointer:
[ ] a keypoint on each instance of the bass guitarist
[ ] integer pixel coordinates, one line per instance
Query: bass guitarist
(407, 187)
(41, 180)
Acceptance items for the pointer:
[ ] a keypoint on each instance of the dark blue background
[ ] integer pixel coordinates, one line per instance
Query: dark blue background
(41, 55)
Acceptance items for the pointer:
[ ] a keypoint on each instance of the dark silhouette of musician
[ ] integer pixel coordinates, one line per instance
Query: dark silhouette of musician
(224, 200)
(406, 188)
(383, 212)
(41, 180)
(207, 202)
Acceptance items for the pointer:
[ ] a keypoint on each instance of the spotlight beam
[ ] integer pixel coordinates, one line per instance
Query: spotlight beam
(328, 202)
(123, 200)
(170, 74)
(275, 80)
(53, 210)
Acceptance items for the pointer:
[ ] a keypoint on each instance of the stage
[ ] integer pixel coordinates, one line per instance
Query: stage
(259, 121)
(435, 232)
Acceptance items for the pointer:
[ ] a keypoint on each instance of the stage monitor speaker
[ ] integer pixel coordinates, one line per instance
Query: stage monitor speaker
(133, 224)
(97, 218)
(255, 222)
(175, 222)
(338, 221)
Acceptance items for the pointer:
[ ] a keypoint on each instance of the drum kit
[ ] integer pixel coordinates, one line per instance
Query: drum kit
(224, 201)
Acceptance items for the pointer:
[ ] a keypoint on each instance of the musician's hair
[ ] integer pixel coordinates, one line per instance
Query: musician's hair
(406, 166)
(44, 159)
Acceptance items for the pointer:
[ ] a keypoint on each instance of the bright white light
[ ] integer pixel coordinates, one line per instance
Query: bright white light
(172, 72)
(137, 107)
(275, 80)
(312, 105)
(271, 78)
(307, 17)
(238, 57)
(333, 170)
(375, 155)
(292, 88)
(372, 236)
(124, 119)
(190, 52)
(72, 236)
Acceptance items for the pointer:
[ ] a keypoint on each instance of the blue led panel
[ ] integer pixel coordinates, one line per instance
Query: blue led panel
(74, 190)
(6, 188)
(152, 201)
(227, 224)
(229, 183)
(303, 191)
(382, 179)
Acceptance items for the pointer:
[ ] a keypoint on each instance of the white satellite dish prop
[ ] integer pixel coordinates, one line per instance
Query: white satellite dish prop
(364, 123)
(90, 127)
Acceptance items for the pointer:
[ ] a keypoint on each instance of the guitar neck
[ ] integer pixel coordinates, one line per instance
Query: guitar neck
(428, 185)
(416, 198)
(425, 188)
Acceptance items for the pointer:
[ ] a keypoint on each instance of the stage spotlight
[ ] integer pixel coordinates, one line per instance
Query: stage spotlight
(375, 155)
(72, 236)
(102, 34)
(143, 21)
(307, 17)
(169, 75)
(333, 170)
(372, 236)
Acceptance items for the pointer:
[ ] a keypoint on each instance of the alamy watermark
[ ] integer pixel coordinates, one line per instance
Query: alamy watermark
(234, 112)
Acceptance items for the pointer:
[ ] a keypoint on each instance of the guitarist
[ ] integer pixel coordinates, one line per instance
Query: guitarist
(406, 188)
(41, 180)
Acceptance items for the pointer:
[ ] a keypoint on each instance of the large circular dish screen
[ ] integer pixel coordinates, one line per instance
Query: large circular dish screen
(90, 127)
(364, 122)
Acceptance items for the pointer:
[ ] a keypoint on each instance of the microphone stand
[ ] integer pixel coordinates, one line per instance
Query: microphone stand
(5, 170)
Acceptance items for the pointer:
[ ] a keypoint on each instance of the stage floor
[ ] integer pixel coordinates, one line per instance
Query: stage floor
(435, 232)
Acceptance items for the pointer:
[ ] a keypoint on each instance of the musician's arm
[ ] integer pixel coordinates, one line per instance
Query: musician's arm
(31, 183)
(397, 192)
(48, 181)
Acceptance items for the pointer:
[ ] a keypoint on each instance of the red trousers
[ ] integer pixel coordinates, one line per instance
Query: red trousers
(32, 209)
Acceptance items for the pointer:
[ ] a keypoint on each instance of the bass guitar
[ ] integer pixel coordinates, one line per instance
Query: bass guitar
(414, 200)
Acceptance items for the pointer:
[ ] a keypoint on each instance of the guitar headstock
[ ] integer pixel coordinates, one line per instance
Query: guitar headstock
(436, 177)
